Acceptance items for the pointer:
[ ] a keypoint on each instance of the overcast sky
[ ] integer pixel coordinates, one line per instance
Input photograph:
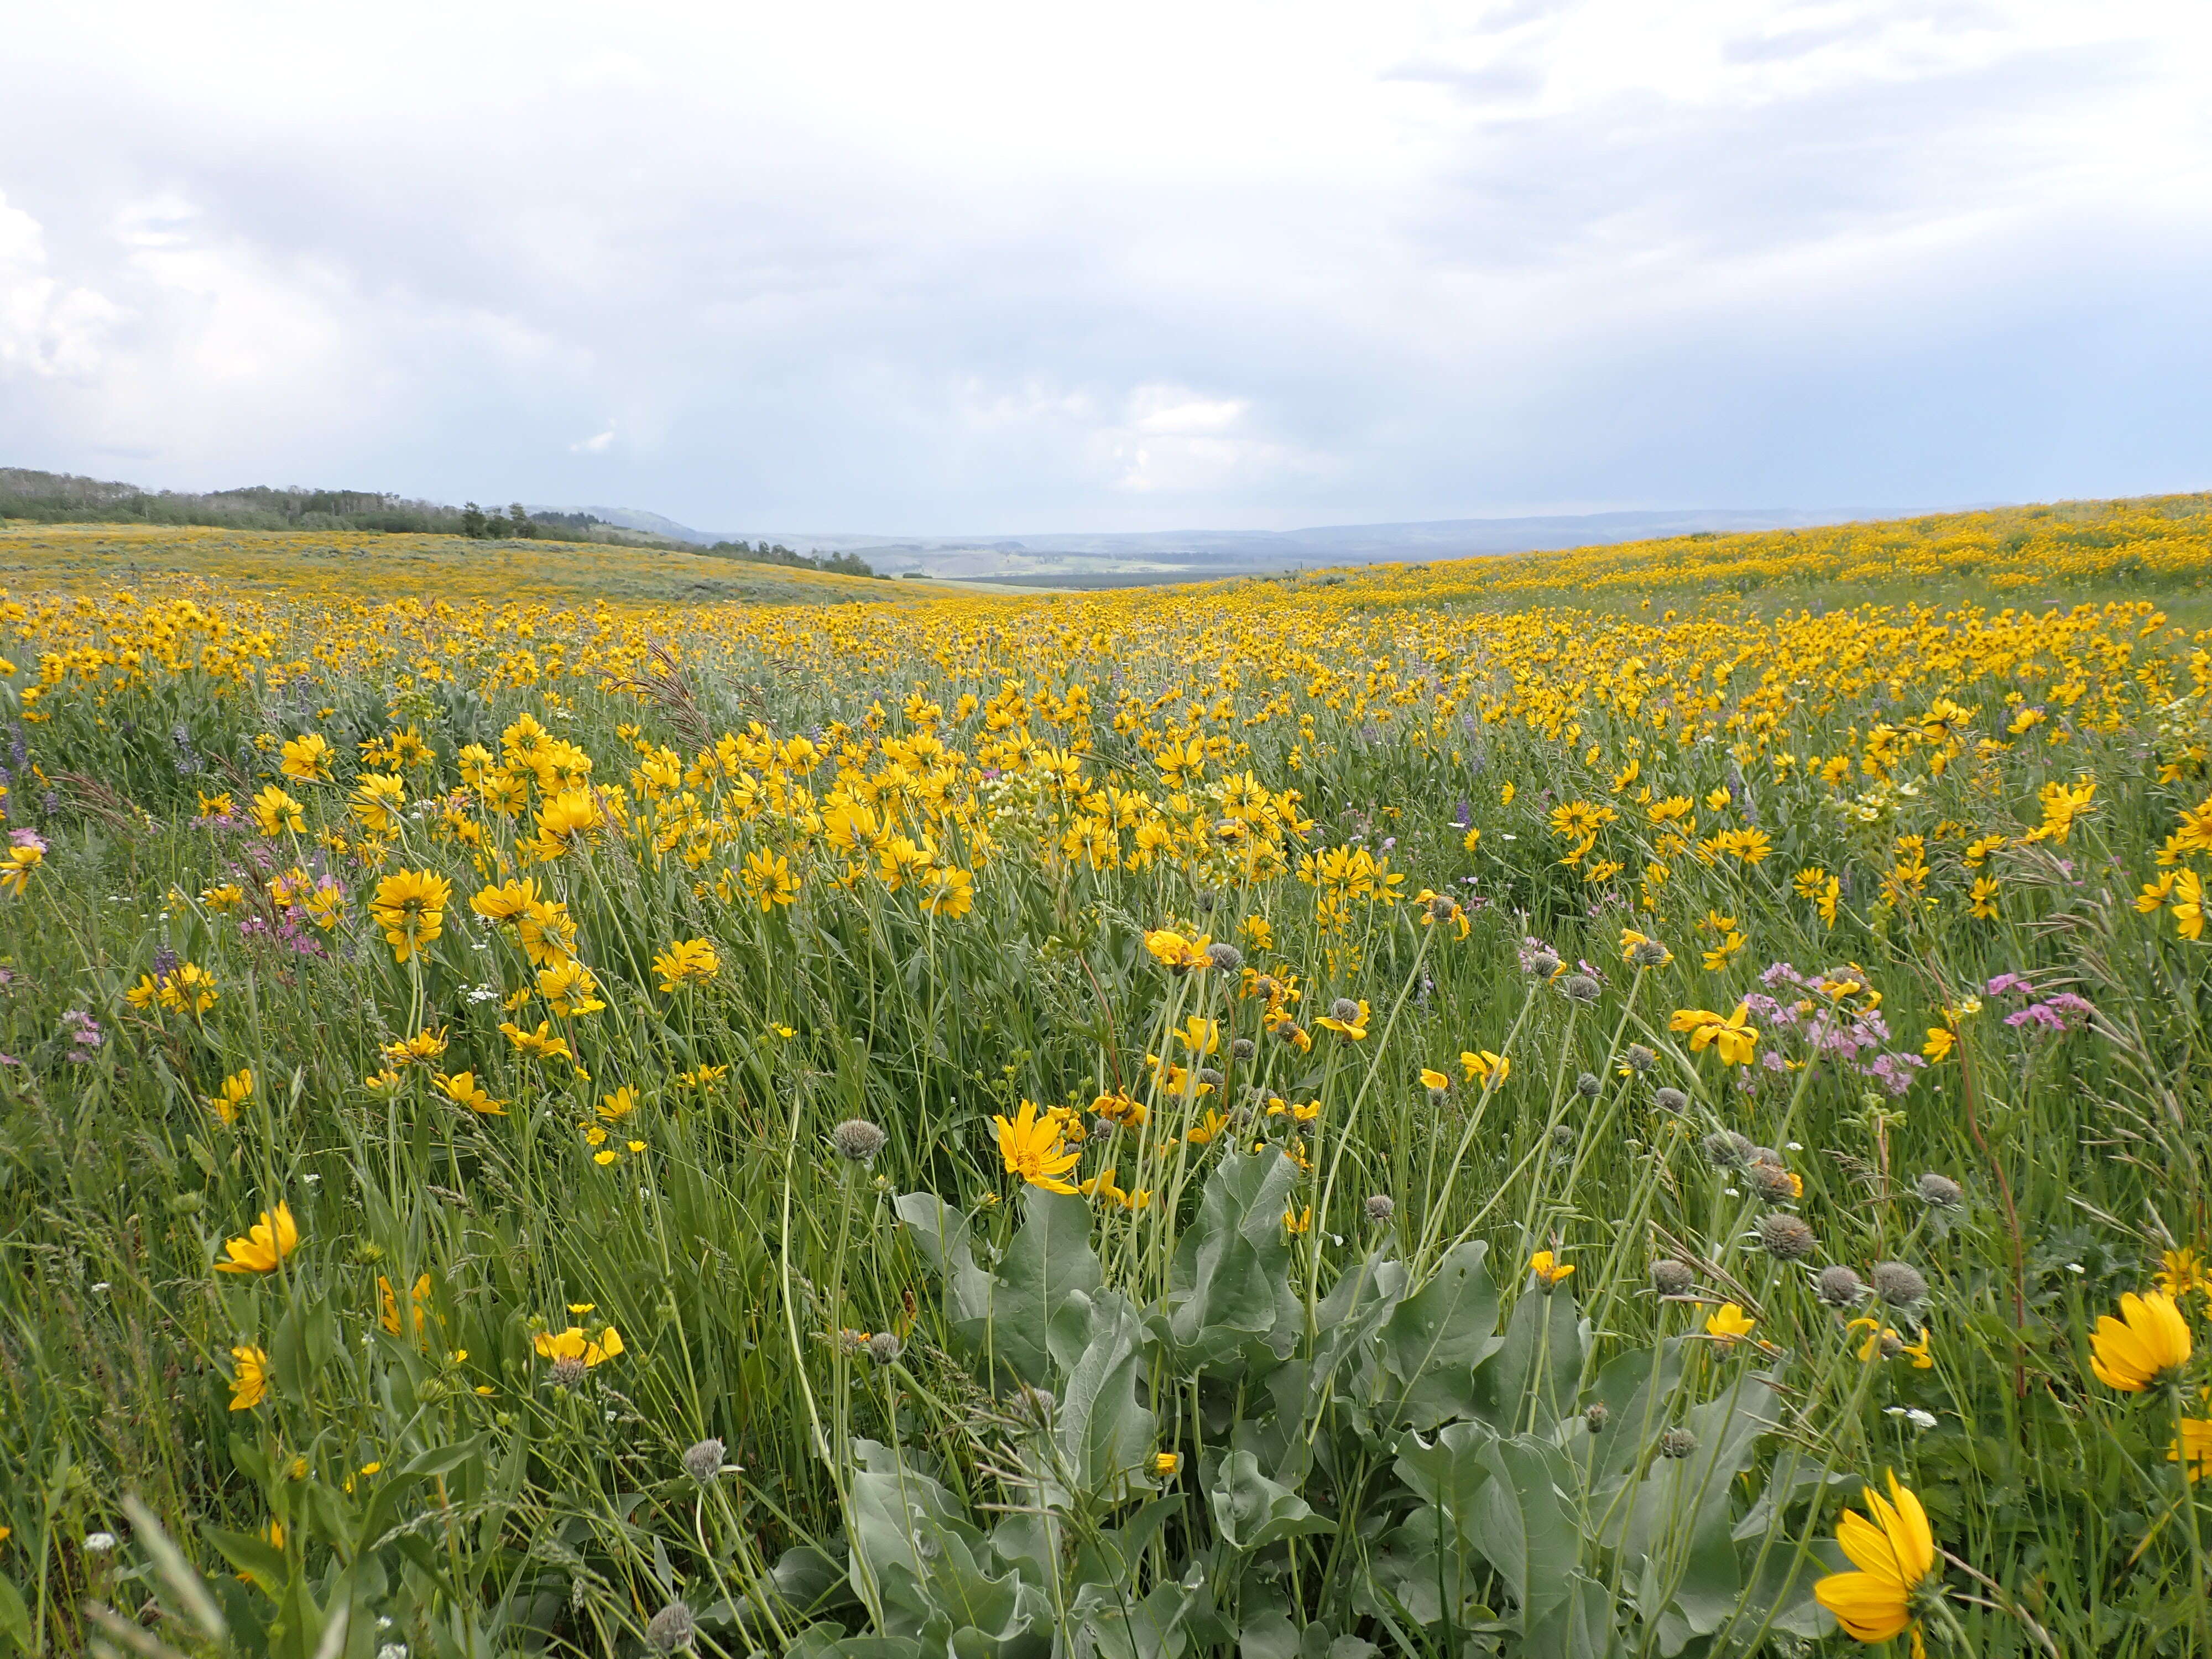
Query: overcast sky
(962, 268)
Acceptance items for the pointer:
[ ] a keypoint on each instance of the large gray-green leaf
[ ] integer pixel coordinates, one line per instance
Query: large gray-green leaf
(1636, 1412)
(1104, 1430)
(1531, 1384)
(940, 1234)
(1044, 1286)
(1523, 1527)
(1679, 1525)
(1581, 1626)
(1447, 1474)
(1251, 1511)
(1110, 1623)
(1230, 1275)
(929, 1566)
(1435, 1337)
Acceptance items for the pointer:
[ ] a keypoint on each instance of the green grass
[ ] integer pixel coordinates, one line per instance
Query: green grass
(514, 1508)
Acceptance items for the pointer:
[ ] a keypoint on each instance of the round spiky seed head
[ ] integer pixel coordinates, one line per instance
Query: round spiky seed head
(1290, 1031)
(1726, 1150)
(1647, 953)
(1595, 1418)
(1771, 1181)
(1938, 1192)
(1891, 1345)
(1677, 1442)
(1224, 956)
(565, 1373)
(1443, 907)
(883, 1348)
(1671, 1100)
(672, 1629)
(1563, 1136)
(1785, 1238)
(1672, 1277)
(857, 1139)
(1839, 1287)
(1381, 1206)
(1241, 1048)
(1206, 901)
(1588, 1086)
(703, 1461)
(1544, 964)
(1580, 987)
(1639, 1058)
(1207, 1074)
(1899, 1283)
(1344, 1008)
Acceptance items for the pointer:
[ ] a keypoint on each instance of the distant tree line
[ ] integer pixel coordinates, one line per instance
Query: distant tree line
(65, 498)
(762, 552)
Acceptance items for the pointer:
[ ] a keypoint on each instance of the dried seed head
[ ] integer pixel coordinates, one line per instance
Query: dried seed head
(1224, 956)
(1035, 1405)
(1292, 1032)
(565, 1373)
(1443, 907)
(1938, 1192)
(1898, 1283)
(1241, 1048)
(1671, 1100)
(858, 1139)
(1672, 1277)
(1207, 1074)
(1588, 1086)
(1647, 953)
(1785, 1238)
(1839, 1287)
(1580, 987)
(1640, 1059)
(1596, 1416)
(852, 1343)
(1344, 1008)
(1544, 964)
(1727, 1150)
(1206, 900)
(703, 1461)
(1772, 1182)
(672, 1630)
(883, 1348)
(1564, 1135)
(1677, 1442)
(1381, 1206)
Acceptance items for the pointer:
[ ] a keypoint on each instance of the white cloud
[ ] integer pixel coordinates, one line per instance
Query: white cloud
(47, 328)
(992, 266)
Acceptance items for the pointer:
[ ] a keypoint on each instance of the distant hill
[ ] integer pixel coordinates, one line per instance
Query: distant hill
(1050, 558)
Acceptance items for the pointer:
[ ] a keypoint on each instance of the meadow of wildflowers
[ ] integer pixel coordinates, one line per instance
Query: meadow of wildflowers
(1647, 1100)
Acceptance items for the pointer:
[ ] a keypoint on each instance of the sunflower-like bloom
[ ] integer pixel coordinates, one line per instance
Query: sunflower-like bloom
(1482, 1065)
(687, 961)
(572, 1345)
(2149, 1338)
(306, 759)
(1346, 1017)
(269, 1241)
(275, 811)
(1731, 1323)
(410, 906)
(463, 1089)
(1033, 1150)
(1171, 949)
(1735, 1039)
(1895, 1555)
(249, 1378)
(1549, 1268)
